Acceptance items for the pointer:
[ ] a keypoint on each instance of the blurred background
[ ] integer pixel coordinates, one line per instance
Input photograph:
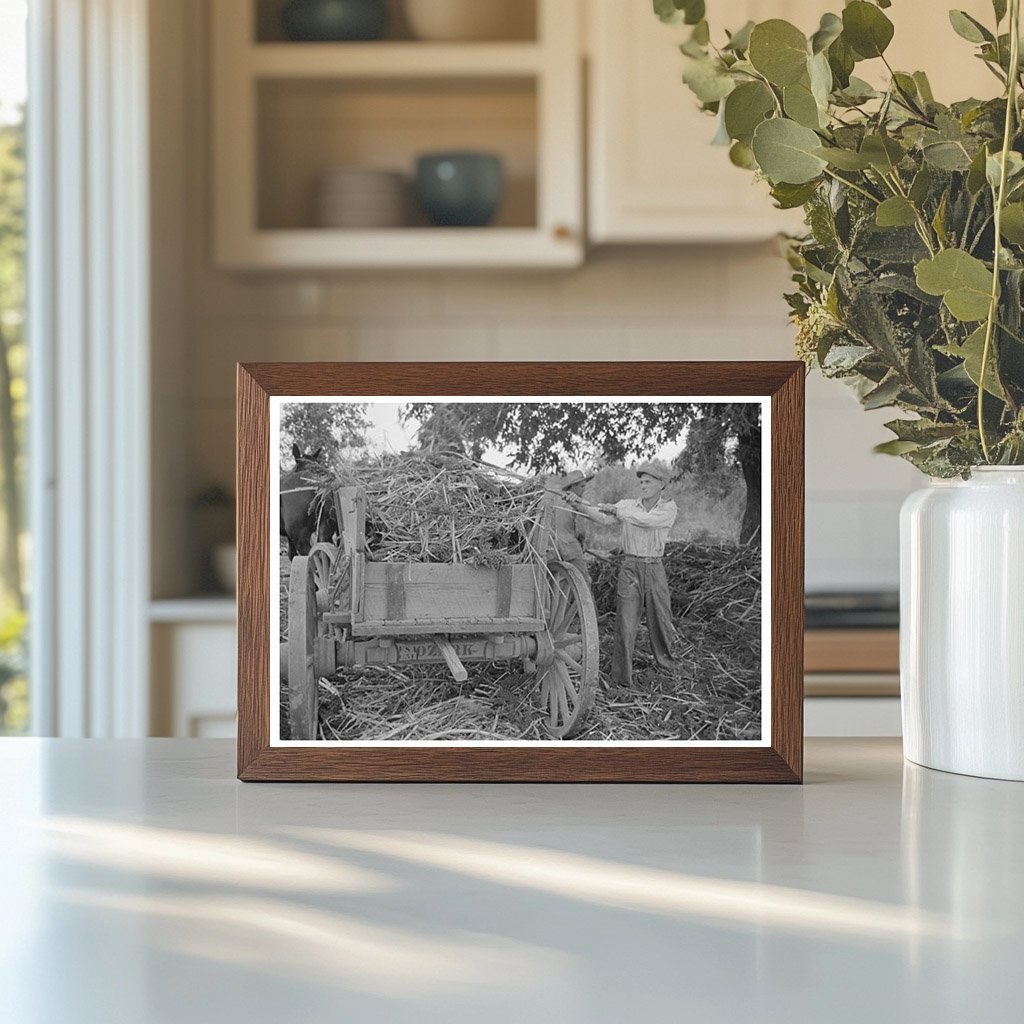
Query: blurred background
(245, 180)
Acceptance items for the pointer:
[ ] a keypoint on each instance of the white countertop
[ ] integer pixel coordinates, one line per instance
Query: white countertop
(143, 885)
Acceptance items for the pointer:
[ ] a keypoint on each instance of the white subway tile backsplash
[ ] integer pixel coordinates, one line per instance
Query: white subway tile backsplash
(247, 298)
(509, 297)
(714, 340)
(407, 341)
(412, 296)
(561, 340)
(755, 282)
(646, 285)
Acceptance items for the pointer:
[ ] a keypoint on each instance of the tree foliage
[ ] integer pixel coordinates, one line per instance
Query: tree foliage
(542, 437)
(910, 278)
(13, 356)
(313, 425)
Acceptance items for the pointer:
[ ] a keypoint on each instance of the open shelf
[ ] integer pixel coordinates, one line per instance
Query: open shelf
(393, 60)
(287, 113)
(308, 127)
(520, 17)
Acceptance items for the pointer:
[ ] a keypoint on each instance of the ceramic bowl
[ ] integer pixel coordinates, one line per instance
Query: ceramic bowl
(460, 189)
(358, 197)
(334, 20)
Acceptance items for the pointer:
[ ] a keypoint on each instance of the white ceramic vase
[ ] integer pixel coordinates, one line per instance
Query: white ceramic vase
(962, 624)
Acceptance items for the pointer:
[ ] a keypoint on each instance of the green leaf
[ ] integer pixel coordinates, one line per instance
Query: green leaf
(676, 12)
(866, 29)
(800, 105)
(999, 7)
(963, 281)
(923, 431)
(778, 50)
(785, 152)
(906, 89)
(976, 174)
(829, 30)
(844, 159)
(885, 394)
(742, 155)
(745, 108)
(708, 80)
(841, 60)
(994, 167)
(858, 91)
(946, 156)
(896, 212)
(789, 197)
(924, 88)
(895, 447)
(883, 153)
(969, 28)
(939, 220)
(820, 76)
(1012, 223)
(971, 352)
(695, 11)
(701, 33)
(739, 41)
(921, 185)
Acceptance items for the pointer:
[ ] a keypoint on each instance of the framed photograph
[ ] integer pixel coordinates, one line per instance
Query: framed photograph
(520, 571)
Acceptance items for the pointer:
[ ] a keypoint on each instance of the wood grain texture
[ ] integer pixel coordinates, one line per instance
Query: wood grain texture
(783, 382)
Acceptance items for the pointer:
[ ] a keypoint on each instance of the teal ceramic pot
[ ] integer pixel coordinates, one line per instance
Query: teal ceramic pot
(460, 189)
(334, 20)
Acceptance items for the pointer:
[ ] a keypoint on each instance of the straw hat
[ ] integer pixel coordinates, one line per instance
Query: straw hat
(576, 476)
(652, 469)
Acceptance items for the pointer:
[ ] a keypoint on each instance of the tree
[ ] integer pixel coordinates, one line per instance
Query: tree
(313, 425)
(724, 440)
(553, 437)
(12, 350)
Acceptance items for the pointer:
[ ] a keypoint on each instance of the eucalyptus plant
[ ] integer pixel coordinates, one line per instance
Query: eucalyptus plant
(909, 281)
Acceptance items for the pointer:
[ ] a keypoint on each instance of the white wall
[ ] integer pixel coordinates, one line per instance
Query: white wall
(720, 302)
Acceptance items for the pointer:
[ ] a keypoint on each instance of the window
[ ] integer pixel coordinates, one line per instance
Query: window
(14, 705)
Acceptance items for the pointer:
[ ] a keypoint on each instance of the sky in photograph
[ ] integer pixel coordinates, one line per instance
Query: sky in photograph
(389, 433)
(12, 56)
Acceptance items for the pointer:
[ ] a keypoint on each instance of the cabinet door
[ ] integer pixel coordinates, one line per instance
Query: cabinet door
(654, 175)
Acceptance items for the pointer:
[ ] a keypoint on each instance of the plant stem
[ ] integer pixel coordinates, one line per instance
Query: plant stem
(922, 225)
(855, 187)
(993, 309)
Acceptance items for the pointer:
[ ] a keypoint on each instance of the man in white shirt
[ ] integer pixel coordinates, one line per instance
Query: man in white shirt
(642, 588)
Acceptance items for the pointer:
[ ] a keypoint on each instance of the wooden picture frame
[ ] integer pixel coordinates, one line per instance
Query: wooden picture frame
(778, 758)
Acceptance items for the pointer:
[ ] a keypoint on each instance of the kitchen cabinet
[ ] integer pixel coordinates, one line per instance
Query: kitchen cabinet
(193, 670)
(653, 175)
(287, 113)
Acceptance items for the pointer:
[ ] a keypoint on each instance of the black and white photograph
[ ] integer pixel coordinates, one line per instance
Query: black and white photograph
(519, 571)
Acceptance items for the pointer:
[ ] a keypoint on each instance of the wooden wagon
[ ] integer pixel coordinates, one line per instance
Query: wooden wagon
(346, 610)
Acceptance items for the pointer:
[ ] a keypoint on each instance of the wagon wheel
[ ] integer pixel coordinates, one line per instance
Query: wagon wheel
(568, 683)
(321, 559)
(302, 627)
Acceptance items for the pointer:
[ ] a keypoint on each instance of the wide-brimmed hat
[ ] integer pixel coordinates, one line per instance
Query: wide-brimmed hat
(652, 469)
(576, 476)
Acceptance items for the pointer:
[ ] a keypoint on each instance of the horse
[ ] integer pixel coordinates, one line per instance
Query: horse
(301, 523)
